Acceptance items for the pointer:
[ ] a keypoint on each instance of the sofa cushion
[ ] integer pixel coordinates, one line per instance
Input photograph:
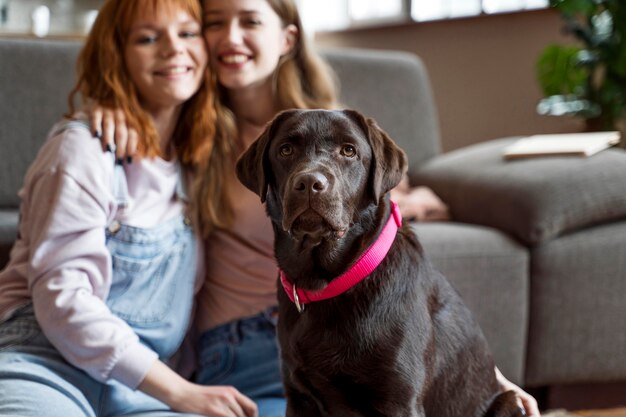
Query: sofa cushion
(534, 199)
(577, 308)
(490, 271)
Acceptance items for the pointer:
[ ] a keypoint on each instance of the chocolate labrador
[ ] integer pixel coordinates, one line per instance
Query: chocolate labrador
(366, 326)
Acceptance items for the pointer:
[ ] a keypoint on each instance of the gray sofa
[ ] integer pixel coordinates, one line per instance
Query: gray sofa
(537, 247)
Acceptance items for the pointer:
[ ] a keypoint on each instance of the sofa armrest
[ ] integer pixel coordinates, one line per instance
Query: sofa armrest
(533, 200)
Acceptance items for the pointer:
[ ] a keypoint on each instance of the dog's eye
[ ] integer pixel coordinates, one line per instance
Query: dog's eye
(348, 150)
(285, 150)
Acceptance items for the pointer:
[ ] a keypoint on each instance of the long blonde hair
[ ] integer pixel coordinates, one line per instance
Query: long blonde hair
(301, 80)
(103, 78)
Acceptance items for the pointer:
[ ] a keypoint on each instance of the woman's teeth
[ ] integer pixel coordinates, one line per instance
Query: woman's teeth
(174, 71)
(234, 59)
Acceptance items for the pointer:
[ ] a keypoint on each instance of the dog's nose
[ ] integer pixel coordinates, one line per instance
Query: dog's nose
(313, 182)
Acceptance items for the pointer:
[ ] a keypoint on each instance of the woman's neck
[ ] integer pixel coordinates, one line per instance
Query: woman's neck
(165, 120)
(253, 108)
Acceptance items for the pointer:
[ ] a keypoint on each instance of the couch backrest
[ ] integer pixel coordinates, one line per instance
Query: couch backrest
(393, 88)
(35, 79)
(37, 75)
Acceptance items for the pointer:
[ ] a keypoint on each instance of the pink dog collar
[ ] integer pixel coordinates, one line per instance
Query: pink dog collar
(368, 261)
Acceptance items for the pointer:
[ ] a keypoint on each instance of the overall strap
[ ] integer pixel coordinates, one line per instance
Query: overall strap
(120, 185)
(181, 186)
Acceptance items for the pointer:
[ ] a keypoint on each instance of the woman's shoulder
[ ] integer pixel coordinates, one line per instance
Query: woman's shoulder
(71, 149)
(74, 141)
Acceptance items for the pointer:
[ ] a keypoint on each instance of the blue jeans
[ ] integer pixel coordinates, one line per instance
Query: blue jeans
(35, 380)
(244, 353)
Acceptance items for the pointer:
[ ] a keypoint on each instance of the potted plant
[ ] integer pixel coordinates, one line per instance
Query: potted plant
(587, 79)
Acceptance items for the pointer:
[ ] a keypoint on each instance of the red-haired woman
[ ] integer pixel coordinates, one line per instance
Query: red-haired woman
(98, 293)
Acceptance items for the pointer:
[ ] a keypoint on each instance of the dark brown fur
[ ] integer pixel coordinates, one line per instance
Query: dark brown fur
(401, 342)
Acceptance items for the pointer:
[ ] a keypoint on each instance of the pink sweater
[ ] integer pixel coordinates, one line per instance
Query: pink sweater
(60, 260)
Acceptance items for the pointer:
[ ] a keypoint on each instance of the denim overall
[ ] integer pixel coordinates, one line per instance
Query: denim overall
(244, 353)
(152, 290)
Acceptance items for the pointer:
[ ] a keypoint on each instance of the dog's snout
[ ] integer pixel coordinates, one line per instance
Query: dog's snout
(313, 182)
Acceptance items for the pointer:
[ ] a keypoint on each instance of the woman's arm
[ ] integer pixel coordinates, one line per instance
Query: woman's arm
(419, 203)
(181, 395)
(67, 202)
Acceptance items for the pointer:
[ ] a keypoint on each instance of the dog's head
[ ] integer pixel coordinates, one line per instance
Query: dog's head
(317, 168)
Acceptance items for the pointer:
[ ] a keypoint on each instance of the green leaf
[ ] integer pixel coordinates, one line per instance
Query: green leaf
(558, 72)
(620, 64)
(571, 7)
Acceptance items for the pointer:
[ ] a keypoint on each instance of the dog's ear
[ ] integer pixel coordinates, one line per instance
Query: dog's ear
(253, 166)
(389, 162)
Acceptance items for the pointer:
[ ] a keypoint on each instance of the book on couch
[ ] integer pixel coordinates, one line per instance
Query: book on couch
(561, 144)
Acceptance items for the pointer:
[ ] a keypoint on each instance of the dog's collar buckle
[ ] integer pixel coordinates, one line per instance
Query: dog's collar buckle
(296, 300)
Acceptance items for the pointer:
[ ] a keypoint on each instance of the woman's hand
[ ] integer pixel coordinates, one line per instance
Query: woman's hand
(419, 203)
(526, 401)
(183, 396)
(214, 401)
(109, 125)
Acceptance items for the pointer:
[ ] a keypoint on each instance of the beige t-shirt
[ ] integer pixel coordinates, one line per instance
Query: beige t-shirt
(240, 264)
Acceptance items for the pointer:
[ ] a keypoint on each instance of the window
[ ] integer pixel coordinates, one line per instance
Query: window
(323, 14)
(342, 14)
(362, 10)
(432, 10)
(441, 9)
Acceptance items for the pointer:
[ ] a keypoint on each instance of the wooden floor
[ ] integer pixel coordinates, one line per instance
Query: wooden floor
(615, 412)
